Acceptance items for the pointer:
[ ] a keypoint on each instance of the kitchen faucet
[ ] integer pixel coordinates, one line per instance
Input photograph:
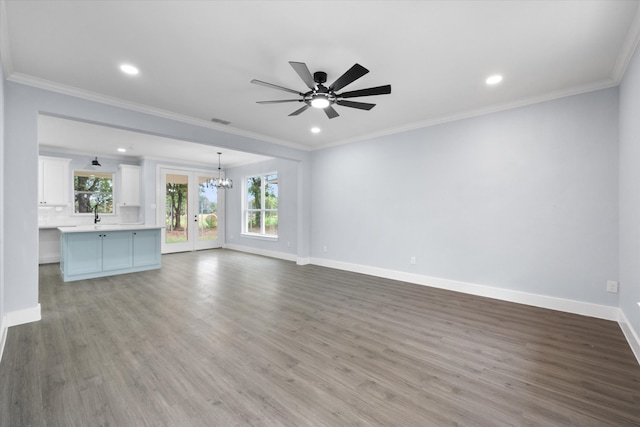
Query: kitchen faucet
(96, 218)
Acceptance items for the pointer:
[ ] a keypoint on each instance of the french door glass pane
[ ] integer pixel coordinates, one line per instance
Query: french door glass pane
(177, 193)
(207, 210)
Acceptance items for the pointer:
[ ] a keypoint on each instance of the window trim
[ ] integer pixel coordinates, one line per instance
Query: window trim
(245, 209)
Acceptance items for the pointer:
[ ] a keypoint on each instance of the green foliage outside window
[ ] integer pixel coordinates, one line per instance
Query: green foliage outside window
(176, 204)
(91, 190)
(261, 215)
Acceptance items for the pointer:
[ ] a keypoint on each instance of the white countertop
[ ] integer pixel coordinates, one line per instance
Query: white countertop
(107, 227)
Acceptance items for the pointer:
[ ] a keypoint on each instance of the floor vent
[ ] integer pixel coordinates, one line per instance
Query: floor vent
(222, 122)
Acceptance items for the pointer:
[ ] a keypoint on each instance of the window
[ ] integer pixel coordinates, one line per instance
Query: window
(261, 205)
(93, 189)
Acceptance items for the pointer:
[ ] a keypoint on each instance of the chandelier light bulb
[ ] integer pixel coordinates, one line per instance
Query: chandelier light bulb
(219, 182)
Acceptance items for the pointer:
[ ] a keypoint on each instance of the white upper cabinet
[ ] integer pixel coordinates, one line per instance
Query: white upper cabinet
(129, 194)
(53, 181)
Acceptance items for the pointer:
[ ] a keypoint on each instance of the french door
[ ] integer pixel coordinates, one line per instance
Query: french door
(191, 211)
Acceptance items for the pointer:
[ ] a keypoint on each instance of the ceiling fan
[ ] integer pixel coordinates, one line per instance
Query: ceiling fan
(324, 97)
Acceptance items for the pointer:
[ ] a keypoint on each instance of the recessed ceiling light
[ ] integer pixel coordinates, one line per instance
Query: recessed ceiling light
(122, 150)
(129, 69)
(315, 130)
(495, 79)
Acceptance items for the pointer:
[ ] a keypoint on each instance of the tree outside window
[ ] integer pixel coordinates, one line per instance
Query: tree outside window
(261, 213)
(176, 204)
(93, 190)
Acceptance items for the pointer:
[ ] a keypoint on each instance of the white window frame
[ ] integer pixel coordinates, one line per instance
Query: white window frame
(262, 210)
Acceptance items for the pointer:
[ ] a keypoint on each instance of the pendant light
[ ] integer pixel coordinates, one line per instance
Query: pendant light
(220, 182)
(95, 162)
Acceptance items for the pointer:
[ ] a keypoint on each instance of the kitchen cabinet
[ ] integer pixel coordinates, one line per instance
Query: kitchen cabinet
(88, 252)
(117, 250)
(129, 194)
(53, 181)
(146, 248)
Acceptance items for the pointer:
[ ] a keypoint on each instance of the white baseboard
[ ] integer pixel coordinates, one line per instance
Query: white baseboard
(536, 300)
(4, 327)
(303, 261)
(19, 317)
(49, 259)
(263, 252)
(630, 334)
(15, 318)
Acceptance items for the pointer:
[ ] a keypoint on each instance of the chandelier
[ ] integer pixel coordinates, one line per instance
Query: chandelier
(220, 182)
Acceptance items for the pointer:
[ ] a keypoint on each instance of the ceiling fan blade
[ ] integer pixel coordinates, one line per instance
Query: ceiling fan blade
(353, 104)
(330, 112)
(279, 101)
(352, 74)
(304, 73)
(271, 85)
(378, 90)
(299, 110)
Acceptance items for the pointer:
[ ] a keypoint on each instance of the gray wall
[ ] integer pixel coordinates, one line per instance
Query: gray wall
(148, 191)
(21, 225)
(21, 154)
(524, 199)
(287, 206)
(2, 183)
(630, 193)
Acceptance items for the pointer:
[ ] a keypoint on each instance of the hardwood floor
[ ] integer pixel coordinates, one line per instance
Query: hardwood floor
(221, 338)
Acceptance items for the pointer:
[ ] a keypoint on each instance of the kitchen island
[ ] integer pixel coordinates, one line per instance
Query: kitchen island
(104, 250)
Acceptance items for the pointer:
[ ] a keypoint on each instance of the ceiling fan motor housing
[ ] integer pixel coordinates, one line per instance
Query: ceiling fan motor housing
(320, 77)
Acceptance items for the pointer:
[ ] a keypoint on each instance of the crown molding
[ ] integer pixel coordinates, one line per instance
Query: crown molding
(116, 102)
(628, 49)
(603, 84)
(5, 57)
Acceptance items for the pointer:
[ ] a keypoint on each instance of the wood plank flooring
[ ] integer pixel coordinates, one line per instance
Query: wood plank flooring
(221, 338)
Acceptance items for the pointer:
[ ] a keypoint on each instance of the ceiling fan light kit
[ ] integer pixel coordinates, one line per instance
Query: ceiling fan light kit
(322, 97)
(320, 101)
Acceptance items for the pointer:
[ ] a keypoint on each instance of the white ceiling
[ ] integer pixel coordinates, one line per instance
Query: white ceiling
(197, 58)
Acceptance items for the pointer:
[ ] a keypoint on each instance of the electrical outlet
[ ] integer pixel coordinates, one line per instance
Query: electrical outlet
(324, 249)
(288, 244)
(413, 260)
(612, 286)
